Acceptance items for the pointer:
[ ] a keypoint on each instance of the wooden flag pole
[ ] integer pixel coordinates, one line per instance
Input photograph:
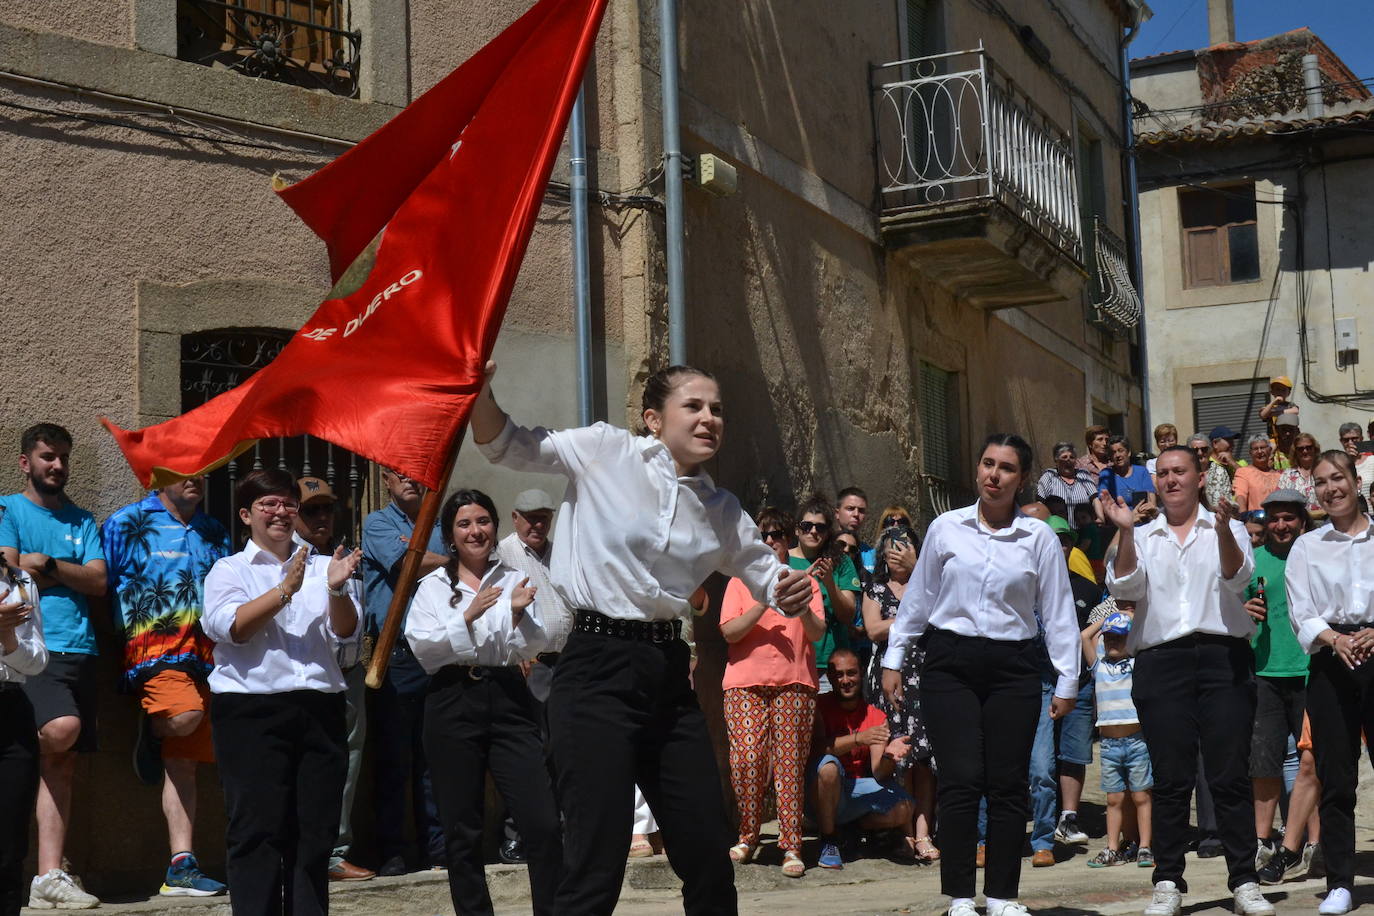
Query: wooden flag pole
(410, 568)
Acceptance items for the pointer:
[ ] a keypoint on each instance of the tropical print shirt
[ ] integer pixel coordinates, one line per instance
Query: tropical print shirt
(156, 568)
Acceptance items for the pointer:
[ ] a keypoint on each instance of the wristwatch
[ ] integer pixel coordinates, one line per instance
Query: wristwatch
(50, 566)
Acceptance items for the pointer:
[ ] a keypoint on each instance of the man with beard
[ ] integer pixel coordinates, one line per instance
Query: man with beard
(58, 544)
(159, 551)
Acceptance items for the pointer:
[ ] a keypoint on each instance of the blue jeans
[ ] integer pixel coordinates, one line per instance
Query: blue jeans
(1044, 780)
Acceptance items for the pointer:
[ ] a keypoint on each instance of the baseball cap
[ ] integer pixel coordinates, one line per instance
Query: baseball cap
(532, 501)
(313, 488)
(1286, 419)
(1222, 432)
(1284, 497)
(1283, 380)
(1061, 527)
(1117, 623)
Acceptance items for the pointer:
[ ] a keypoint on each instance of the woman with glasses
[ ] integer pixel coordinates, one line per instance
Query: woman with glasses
(278, 616)
(770, 698)
(1299, 476)
(1075, 485)
(897, 551)
(840, 586)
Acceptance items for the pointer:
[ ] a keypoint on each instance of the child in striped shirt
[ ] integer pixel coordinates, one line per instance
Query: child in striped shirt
(1125, 757)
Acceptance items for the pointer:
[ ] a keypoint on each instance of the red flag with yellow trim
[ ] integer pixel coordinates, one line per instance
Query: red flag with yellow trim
(453, 184)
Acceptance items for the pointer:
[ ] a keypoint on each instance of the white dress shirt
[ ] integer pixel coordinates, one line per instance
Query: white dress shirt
(558, 619)
(30, 656)
(296, 650)
(1178, 588)
(439, 636)
(633, 539)
(1330, 579)
(978, 581)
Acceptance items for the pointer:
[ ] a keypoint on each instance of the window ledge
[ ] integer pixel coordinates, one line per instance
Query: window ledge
(180, 84)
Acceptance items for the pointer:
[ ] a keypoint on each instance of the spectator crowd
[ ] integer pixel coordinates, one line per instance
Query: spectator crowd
(252, 657)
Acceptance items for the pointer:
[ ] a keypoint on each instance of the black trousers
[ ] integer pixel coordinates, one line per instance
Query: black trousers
(1199, 691)
(18, 789)
(480, 719)
(395, 724)
(981, 702)
(1340, 703)
(283, 758)
(538, 683)
(622, 712)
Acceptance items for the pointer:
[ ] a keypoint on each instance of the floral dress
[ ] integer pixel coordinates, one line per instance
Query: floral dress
(1297, 479)
(905, 718)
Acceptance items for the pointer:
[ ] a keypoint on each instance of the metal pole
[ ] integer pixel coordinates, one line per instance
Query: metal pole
(582, 278)
(1312, 85)
(672, 182)
(1135, 260)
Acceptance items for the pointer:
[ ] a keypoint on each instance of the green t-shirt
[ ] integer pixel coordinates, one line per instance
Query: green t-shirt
(1277, 653)
(836, 630)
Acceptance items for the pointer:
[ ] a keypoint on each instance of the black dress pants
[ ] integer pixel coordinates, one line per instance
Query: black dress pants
(283, 758)
(402, 788)
(478, 719)
(1340, 703)
(623, 711)
(981, 702)
(1191, 692)
(18, 789)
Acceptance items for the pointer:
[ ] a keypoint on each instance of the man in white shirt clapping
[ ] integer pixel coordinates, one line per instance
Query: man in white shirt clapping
(1187, 571)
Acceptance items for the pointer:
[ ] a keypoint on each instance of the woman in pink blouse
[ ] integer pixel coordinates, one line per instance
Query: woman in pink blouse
(770, 699)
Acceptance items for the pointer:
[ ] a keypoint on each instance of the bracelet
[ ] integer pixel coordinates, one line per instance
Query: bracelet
(285, 595)
(340, 592)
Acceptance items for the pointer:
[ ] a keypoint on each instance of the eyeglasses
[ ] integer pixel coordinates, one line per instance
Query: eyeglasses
(808, 527)
(896, 520)
(1350, 438)
(1258, 516)
(775, 535)
(848, 547)
(319, 508)
(290, 506)
(1307, 448)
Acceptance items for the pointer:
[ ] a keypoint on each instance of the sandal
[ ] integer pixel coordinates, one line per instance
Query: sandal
(742, 853)
(929, 853)
(641, 849)
(792, 864)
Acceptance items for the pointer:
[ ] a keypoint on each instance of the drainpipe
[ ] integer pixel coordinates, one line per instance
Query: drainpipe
(1312, 85)
(672, 183)
(582, 277)
(1133, 224)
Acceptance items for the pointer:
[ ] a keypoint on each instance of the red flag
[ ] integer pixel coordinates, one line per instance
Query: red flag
(454, 183)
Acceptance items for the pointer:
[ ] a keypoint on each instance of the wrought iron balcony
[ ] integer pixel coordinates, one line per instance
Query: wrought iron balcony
(1115, 300)
(302, 42)
(977, 181)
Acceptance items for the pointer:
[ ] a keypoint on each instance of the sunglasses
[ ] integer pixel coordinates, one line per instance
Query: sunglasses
(1258, 516)
(318, 509)
(896, 520)
(1350, 438)
(808, 527)
(775, 535)
(848, 547)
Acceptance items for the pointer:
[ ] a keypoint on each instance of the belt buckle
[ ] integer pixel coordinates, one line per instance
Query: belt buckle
(476, 672)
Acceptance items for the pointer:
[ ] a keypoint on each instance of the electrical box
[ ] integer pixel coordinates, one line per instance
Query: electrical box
(716, 175)
(1347, 343)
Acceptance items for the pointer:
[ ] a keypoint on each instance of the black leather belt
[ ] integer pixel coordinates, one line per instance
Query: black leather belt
(10, 685)
(453, 673)
(548, 658)
(656, 631)
(1346, 629)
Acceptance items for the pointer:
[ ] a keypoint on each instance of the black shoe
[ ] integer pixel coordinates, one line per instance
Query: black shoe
(1281, 865)
(147, 752)
(396, 865)
(511, 852)
(1209, 848)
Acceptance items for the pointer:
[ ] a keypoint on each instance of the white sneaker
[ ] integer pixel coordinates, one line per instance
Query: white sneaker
(1337, 902)
(1008, 908)
(1167, 900)
(57, 890)
(962, 907)
(1068, 832)
(1248, 901)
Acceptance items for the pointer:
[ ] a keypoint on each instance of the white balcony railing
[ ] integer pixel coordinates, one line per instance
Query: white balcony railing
(1115, 300)
(951, 128)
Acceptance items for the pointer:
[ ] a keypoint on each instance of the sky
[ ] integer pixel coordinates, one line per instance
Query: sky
(1345, 26)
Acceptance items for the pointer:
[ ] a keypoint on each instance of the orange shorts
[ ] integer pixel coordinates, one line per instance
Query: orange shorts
(171, 693)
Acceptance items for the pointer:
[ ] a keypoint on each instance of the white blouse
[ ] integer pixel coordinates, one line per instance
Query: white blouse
(977, 581)
(633, 539)
(1330, 579)
(30, 656)
(296, 650)
(439, 636)
(1178, 588)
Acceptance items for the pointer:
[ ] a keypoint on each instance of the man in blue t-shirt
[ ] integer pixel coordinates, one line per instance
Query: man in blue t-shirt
(1134, 483)
(58, 544)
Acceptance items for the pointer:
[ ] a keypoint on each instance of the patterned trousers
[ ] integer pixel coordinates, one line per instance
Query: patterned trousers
(770, 731)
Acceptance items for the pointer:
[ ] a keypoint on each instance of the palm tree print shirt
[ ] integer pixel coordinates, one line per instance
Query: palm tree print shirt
(157, 567)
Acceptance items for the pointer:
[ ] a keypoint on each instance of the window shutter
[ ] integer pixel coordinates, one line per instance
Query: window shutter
(1230, 404)
(936, 397)
(918, 28)
(1203, 259)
